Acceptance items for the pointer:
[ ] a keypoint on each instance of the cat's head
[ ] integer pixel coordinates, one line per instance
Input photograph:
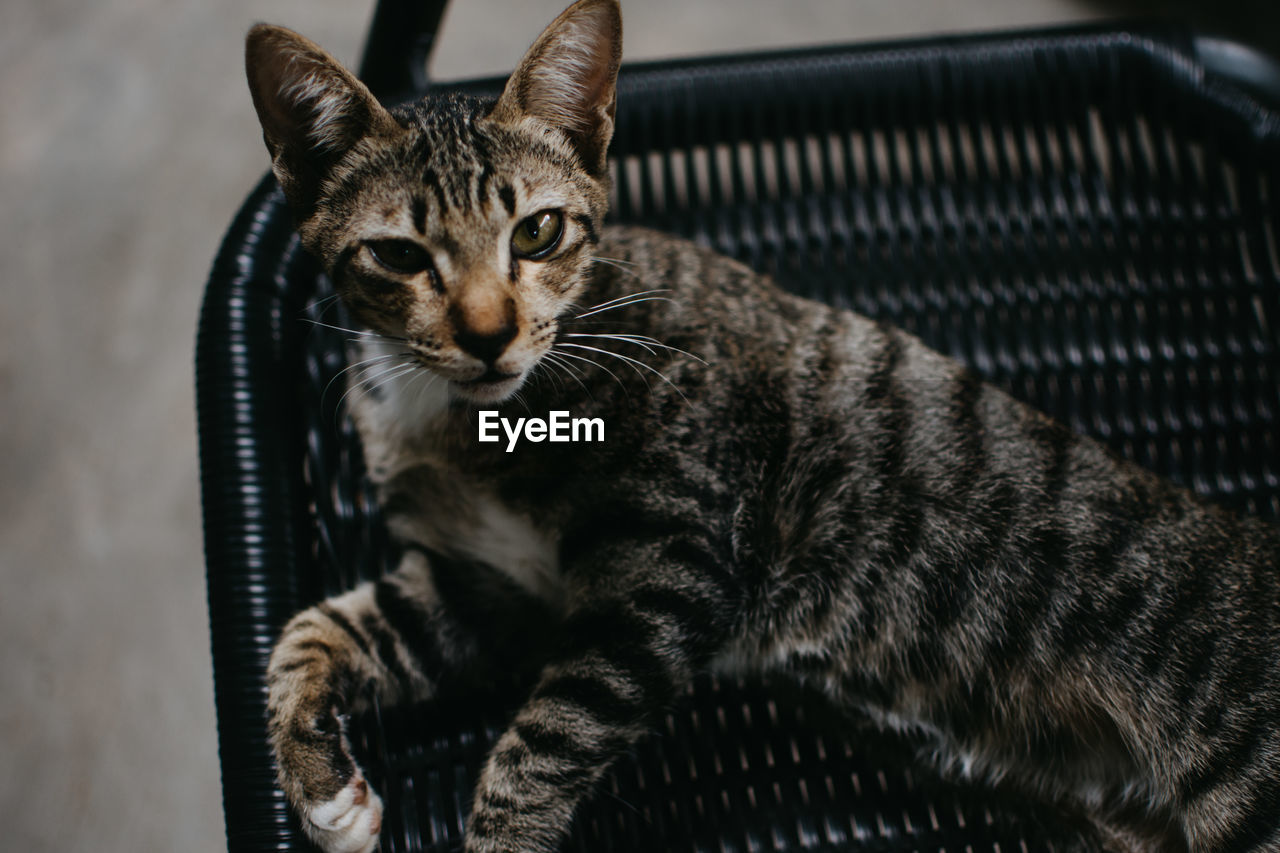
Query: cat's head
(463, 227)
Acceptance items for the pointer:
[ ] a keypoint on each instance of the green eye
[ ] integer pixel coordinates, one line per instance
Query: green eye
(536, 236)
(400, 256)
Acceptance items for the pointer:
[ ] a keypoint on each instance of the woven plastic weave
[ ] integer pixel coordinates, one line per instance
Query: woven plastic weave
(1085, 217)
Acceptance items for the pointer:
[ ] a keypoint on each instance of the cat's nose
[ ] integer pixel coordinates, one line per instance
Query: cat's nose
(485, 345)
(485, 336)
(484, 322)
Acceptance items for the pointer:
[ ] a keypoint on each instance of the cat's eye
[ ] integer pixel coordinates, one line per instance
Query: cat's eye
(400, 256)
(538, 235)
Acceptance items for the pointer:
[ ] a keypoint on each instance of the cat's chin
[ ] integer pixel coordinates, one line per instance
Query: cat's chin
(481, 391)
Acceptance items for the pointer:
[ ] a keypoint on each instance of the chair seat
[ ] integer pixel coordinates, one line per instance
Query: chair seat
(1085, 217)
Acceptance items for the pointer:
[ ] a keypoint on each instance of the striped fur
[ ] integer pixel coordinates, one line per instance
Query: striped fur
(785, 488)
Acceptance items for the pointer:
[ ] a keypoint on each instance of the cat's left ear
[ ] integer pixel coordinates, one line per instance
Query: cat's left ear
(568, 79)
(313, 111)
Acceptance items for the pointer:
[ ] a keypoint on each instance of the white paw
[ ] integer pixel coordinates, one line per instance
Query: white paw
(350, 822)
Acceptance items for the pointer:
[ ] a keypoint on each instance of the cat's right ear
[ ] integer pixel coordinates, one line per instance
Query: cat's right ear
(568, 79)
(312, 110)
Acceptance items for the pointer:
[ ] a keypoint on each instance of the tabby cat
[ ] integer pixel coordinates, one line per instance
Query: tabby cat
(783, 488)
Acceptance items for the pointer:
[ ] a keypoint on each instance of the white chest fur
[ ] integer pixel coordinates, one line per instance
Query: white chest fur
(511, 542)
(387, 388)
(400, 426)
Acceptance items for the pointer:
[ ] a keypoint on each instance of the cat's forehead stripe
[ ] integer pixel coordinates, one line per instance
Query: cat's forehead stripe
(419, 206)
(431, 181)
(482, 181)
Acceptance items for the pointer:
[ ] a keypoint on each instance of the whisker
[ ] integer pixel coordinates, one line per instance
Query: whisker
(376, 360)
(629, 361)
(619, 302)
(360, 335)
(622, 305)
(594, 363)
(326, 302)
(431, 380)
(542, 371)
(639, 340)
(359, 385)
(390, 376)
(565, 364)
(363, 376)
(624, 266)
(629, 296)
(636, 363)
(614, 261)
(606, 322)
(367, 386)
(386, 356)
(365, 373)
(646, 347)
(556, 360)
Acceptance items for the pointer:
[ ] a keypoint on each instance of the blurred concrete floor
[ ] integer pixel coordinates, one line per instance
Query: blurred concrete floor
(127, 141)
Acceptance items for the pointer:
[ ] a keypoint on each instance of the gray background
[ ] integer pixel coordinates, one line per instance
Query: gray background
(127, 141)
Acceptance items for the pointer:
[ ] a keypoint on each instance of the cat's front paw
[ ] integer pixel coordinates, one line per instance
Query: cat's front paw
(320, 776)
(348, 823)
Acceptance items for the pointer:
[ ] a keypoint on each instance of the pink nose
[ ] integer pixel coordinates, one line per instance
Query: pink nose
(484, 332)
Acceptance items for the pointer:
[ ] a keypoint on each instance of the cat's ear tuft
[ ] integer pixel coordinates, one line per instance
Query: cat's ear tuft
(312, 109)
(568, 79)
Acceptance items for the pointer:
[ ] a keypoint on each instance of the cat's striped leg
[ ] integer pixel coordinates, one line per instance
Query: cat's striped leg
(630, 654)
(382, 639)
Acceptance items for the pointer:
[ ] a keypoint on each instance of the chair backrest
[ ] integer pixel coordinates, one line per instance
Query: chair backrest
(1084, 216)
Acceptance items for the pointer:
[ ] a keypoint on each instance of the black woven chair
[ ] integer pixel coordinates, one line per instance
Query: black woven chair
(1088, 217)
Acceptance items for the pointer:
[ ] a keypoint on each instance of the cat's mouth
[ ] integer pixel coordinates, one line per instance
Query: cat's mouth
(492, 386)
